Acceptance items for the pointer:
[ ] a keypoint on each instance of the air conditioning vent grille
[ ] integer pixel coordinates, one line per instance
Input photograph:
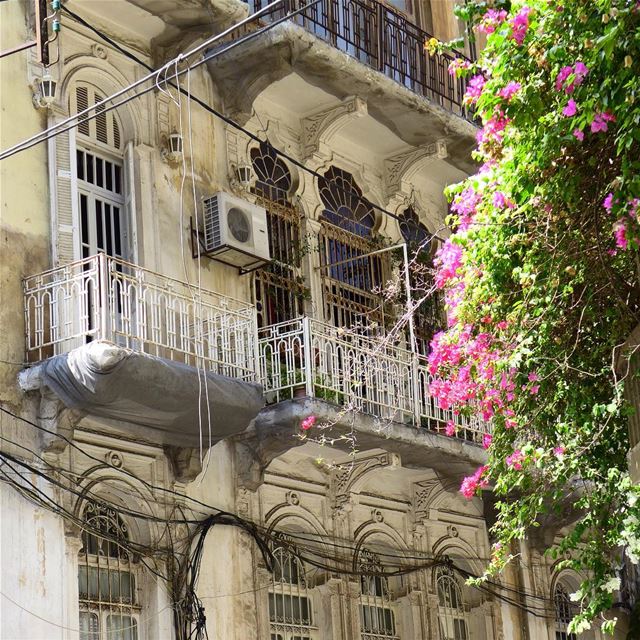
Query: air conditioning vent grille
(212, 235)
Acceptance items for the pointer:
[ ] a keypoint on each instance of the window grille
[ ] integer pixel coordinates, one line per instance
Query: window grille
(107, 578)
(565, 610)
(429, 317)
(351, 284)
(377, 618)
(452, 615)
(279, 287)
(290, 602)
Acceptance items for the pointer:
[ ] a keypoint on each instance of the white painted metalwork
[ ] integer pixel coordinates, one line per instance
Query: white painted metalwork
(105, 298)
(290, 602)
(377, 617)
(311, 358)
(451, 606)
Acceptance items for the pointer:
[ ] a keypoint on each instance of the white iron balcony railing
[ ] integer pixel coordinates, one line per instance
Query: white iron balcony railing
(104, 298)
(310, 358)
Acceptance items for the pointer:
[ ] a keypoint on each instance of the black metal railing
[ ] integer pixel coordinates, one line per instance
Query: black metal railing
(383, 39)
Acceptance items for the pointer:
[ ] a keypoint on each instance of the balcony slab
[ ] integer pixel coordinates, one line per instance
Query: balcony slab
(277, 430)
(243, 73)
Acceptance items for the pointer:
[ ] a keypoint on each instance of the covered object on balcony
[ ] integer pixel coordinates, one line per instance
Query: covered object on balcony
(165, 401)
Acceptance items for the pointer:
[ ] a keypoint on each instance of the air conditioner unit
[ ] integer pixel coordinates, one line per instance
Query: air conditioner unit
(235, 231)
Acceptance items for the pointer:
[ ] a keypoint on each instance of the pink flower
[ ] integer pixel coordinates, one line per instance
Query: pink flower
(620, 234)
(520, 24)
(448, 263)
(578, 134)
(533, 376)
(450, 429)
(534, 390)
(500, 201)
(570, 109)
(509, 90)
(474, 89)
(515, 460)
(608, 202)
(308, 422)
(459, 64)
(563, 74)
(491, 20)
(559, 451)
(599, 122)
(487, 439)
(472, 483)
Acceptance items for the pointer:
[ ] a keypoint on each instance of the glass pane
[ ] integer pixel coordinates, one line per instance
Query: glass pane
(99, 172)
(108, 174)
(121, 628)
(80, 164)
(89, 627)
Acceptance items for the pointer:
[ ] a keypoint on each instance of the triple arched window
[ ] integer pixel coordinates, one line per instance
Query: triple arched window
(107, 578)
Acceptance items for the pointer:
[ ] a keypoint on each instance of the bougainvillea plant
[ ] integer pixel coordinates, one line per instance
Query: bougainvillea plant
(542, 279)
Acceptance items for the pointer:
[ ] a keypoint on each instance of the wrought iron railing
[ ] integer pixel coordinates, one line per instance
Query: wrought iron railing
(104, 298)
(309, 358)
(384, 39)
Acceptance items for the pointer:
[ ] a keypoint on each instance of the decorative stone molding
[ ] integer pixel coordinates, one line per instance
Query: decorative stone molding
(423, 495)
(396, 167)
(328, 122)
(346, 474)
(293, 498)
(185, 463)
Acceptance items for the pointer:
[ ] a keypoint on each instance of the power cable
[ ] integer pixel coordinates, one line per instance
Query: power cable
(207, 107)
(102, 106)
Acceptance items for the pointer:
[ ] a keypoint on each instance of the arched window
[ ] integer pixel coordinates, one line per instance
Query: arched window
(565, 611)
(377, 618)
(451, 609)
(107, 578)
(290, 602)
(279, 287)
(352, 279)
(100, 177)
(429, 317)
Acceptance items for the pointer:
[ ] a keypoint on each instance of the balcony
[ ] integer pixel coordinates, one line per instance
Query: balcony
(382, 38)
(104, 298)
(129, 332)
(308, 358)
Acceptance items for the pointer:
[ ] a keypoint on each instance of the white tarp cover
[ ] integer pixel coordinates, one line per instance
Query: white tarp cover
(102, 379)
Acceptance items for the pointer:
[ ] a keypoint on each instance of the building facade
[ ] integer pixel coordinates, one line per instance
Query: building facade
(133, 340)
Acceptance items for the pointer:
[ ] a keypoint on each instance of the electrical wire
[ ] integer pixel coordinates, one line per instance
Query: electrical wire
(228, 120)
(102, 106)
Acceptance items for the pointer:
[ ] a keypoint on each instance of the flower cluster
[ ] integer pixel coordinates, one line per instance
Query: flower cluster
(472, 483)
(474, 89)
(491, 20)
(600, 120)
(520, 24)
(509, 90)
(623, 226)
(515, 460)
(569, 77)
(308, 423)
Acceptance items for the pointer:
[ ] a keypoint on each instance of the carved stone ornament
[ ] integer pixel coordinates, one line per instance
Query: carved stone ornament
(293, 498)
(422, 497)
(99, 51)
(328, 122)
(452, 531)
(114, 459)
(397, 166)
(344, 475)
(376, 515)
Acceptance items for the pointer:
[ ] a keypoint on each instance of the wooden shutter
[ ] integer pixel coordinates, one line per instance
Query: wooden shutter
(64, 197)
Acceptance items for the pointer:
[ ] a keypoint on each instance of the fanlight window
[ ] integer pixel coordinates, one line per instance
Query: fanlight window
(279, 286)
(106, 578)
(429, 317)
(290, 604)
(352, 278)
(273, 178)
(453, 622)
(377, 619)
(565, 610)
